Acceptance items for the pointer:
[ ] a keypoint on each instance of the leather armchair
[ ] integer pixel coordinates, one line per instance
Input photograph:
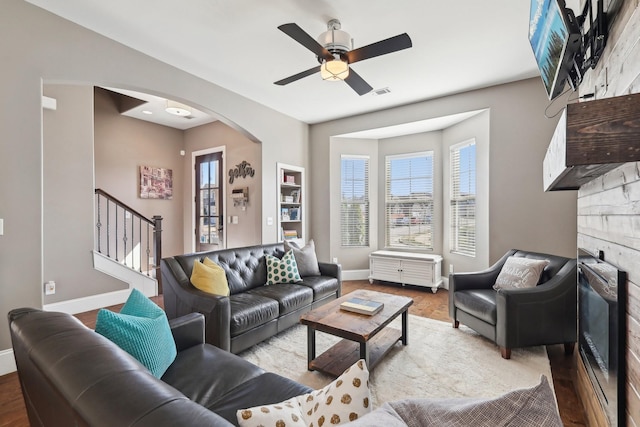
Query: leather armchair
(513, 318)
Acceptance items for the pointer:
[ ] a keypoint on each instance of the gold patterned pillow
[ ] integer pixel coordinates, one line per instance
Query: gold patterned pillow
(283, 414)
(344, 400)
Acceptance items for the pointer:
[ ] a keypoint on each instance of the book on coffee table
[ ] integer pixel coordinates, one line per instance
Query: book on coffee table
(362, 306)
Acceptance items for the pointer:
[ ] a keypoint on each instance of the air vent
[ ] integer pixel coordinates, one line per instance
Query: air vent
(382, 91)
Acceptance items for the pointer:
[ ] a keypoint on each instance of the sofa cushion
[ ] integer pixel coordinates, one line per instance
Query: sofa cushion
(249, 310)
(322, 286)
(305, 257)
(264, 389)
(480, 303)
(290, 296)
(142, 330)
(283, 270)
(194, 373)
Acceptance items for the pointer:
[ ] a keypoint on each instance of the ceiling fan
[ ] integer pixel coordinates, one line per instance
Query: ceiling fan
(335, 55)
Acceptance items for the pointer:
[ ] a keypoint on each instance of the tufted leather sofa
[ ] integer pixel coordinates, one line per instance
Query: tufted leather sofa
(253, 311)
(72, 376)
(514, 318)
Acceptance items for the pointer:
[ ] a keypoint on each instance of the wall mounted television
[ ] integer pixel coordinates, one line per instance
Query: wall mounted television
(555, 37)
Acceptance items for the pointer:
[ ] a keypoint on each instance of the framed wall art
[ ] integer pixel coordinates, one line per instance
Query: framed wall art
(156, 183)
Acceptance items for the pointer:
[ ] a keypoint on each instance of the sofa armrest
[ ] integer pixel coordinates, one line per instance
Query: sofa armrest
(550, 310)
(187, 330)
(182, 298)
(332, 270)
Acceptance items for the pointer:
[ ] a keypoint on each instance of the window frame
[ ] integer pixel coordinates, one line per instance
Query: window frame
(350, 242)
(457, 245)
(428, 210)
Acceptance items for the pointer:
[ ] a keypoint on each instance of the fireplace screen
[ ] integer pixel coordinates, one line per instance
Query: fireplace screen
(602, 330)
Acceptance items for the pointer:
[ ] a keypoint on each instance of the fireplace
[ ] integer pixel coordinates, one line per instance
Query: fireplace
(602, 331)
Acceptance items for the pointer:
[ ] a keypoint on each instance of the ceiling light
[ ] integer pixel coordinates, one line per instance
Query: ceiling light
(147, 112)
(177, 109)
(334, 71)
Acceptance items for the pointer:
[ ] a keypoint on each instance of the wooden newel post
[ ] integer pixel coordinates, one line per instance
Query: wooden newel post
(157, 250)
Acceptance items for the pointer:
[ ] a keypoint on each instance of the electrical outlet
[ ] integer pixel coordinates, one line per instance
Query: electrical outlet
(335, 260)
(50, 287)
(450, 268)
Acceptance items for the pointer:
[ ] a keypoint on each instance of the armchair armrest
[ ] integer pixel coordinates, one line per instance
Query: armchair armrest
(182, 298)
(548, 310)
(187, 330)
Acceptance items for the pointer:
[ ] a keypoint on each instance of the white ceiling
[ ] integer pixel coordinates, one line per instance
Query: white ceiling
(457, 46)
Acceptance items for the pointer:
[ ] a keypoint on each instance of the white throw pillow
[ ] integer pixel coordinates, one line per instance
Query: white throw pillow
(520, 272)
(344, 400)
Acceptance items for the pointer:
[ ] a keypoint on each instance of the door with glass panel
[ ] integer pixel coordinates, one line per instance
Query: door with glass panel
(209, 202)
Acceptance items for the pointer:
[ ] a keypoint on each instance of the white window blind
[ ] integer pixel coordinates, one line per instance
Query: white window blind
(409, 200)
(354, 208)
(463, 198)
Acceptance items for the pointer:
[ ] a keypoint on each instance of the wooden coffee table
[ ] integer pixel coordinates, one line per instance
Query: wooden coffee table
(365, 337)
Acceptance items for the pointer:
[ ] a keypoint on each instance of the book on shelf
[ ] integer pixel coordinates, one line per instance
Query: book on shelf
(294, 214)
(362, 306)
(290, 234)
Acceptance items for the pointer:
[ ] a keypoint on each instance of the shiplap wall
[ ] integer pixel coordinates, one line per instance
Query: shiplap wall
(609, 206)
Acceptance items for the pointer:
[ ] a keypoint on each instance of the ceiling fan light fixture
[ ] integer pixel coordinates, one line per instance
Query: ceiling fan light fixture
(334, 71)
(177, 109)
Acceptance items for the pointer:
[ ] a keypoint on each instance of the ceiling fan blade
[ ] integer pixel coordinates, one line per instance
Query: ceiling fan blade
(357, 83)
(298, 76)
(298, 34)
(393, 44)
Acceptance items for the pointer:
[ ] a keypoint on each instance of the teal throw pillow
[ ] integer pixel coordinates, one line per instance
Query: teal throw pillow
(283, 270)
(142, 330)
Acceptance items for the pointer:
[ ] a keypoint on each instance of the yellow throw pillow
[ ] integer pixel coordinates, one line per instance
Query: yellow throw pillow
(210, 277)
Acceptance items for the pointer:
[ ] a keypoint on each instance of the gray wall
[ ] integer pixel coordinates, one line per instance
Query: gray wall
(122, 145)
(39, 47)
(520, 214)
(68, 219)
(237, 148)
(351, 258)
(477, 127)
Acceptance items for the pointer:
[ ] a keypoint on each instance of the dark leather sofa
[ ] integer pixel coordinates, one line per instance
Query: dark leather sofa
(253, 312)
(513, 318)
(72, 376)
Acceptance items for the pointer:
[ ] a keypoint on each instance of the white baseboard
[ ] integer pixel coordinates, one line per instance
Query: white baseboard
(7, 362)
(93, 302)
(355, 274)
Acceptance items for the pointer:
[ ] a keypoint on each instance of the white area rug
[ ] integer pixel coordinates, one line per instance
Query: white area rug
(439, 361)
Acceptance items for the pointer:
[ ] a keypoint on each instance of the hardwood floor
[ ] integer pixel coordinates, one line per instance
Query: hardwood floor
(426, 304)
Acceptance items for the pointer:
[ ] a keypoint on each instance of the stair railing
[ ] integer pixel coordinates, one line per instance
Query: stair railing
(128, 237)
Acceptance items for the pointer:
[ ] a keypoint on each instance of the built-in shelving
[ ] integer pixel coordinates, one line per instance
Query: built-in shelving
(291, 203)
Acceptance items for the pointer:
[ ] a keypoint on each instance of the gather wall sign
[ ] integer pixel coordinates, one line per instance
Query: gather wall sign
(242, 170)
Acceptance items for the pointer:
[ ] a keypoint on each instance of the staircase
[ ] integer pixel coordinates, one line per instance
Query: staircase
(128, 244)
